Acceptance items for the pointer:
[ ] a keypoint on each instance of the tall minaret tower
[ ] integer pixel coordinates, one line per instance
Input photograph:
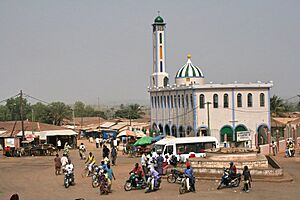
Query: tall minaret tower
(159, 78)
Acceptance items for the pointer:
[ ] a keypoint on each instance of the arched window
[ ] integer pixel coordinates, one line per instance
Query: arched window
(225, 101)
(165, 101)
(168, 100)
(158, 102)
(182, 99)
(152, 101)
(192, 102)
(172, 105)
(155, 102)
(187, 101)
(201, 101)
(175, 101)
(178, 101)
(249, 98)
(262, 100)
(239, 100)
(216, 101)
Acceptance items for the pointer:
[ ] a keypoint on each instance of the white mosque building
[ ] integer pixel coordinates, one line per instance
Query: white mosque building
(233, 113)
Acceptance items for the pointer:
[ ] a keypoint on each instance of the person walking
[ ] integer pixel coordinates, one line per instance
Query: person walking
(114, 154)
(274, 148)
(97, 142)
(111, 176)
(160, 161)
(57, 164)
(247, 179)
(58, 144)
(105, 152)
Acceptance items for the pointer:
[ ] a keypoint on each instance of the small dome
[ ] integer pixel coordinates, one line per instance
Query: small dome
(159, 19)
(189, 70)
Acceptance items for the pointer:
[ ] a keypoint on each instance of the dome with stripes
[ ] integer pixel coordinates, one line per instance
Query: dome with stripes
(189, 70)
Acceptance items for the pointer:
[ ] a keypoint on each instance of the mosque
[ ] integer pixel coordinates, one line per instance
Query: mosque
(235, 113)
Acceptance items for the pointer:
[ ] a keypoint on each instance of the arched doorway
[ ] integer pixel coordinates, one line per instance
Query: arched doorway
(161, 129)
(240, 127)
(154, 127)
(262, 134)
(228, 130)
(167, 129)
(166, 81)
(189, 131)
(181, 131)
(174, 131)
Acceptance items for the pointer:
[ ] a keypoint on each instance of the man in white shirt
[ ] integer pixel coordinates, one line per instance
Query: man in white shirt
(97, 142)
(64, 161)
(58, 144)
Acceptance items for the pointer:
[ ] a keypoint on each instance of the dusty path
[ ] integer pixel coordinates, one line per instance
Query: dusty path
(33, 178)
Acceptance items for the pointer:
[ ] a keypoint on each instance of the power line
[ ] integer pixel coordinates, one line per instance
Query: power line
(10, 98)
(37, 99)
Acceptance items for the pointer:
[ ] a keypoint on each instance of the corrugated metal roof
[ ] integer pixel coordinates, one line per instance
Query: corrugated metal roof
(107, 124)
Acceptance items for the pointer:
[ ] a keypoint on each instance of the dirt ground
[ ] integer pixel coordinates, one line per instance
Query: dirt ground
(33, 178)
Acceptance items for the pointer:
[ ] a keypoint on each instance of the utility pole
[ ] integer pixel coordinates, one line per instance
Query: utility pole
(21, 114)
(208, 119)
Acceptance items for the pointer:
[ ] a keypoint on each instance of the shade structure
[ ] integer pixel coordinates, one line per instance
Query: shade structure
(139, 134)
(126, 133)
(157, 138)
(143, 141)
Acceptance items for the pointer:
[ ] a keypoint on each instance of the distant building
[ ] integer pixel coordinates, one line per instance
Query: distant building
(191, 107)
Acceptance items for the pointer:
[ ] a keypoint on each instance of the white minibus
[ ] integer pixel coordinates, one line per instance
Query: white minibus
(187, 147)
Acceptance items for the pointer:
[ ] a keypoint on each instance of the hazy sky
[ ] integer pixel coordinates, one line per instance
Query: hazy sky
(60, 50)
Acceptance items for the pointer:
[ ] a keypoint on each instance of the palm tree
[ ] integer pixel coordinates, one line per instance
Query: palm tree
(58, 112)
(277, 106)
(135, 111)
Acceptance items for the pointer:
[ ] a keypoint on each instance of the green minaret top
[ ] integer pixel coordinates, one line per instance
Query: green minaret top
(159, 19)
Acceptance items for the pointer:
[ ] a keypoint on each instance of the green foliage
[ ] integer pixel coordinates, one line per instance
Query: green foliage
(132, 111)
(58, 111)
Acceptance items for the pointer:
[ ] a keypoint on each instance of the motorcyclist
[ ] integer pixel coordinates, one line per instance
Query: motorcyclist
(70, 169)
(156, 176)
(189, 173)
(91, 161)
(64, 161)
(81, 151)
(232, 170)
(66, 148)
(138, 171)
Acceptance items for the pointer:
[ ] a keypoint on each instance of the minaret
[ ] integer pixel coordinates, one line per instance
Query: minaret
(159, 77)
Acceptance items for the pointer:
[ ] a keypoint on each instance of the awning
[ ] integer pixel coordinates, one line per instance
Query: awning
(126, 133)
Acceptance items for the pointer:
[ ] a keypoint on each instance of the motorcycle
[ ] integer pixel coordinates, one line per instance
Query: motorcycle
(175, 176)
(185, 185)
(139, 183)
(229, 181)
(95, 178)
(69, 178)
(103, 183)
(151, 187)
(86, 172)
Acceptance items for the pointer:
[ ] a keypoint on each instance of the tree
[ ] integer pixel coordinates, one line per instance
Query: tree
(277, 105)
(132, 111)
(4, 113)
(58, 112)
(14, 109)
(41, 113)
(79, 109)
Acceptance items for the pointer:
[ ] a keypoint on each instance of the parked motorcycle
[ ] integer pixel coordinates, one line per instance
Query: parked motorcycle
(69, 178)
(229, 181)
(151, 187)
(185, 185)
(175, 176)
(139, 183)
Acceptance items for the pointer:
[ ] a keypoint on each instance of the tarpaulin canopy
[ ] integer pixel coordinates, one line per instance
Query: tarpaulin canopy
(126, 133)
(157, 138)
(143, 141)
(139, 134)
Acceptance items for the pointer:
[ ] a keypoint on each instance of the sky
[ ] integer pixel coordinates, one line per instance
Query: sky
(71, 50)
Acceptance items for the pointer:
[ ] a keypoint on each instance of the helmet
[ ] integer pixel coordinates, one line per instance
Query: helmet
(188, 165)
(231, 163)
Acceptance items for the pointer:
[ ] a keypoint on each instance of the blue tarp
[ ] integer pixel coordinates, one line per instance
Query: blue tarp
(157, 138)
(109, 134)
